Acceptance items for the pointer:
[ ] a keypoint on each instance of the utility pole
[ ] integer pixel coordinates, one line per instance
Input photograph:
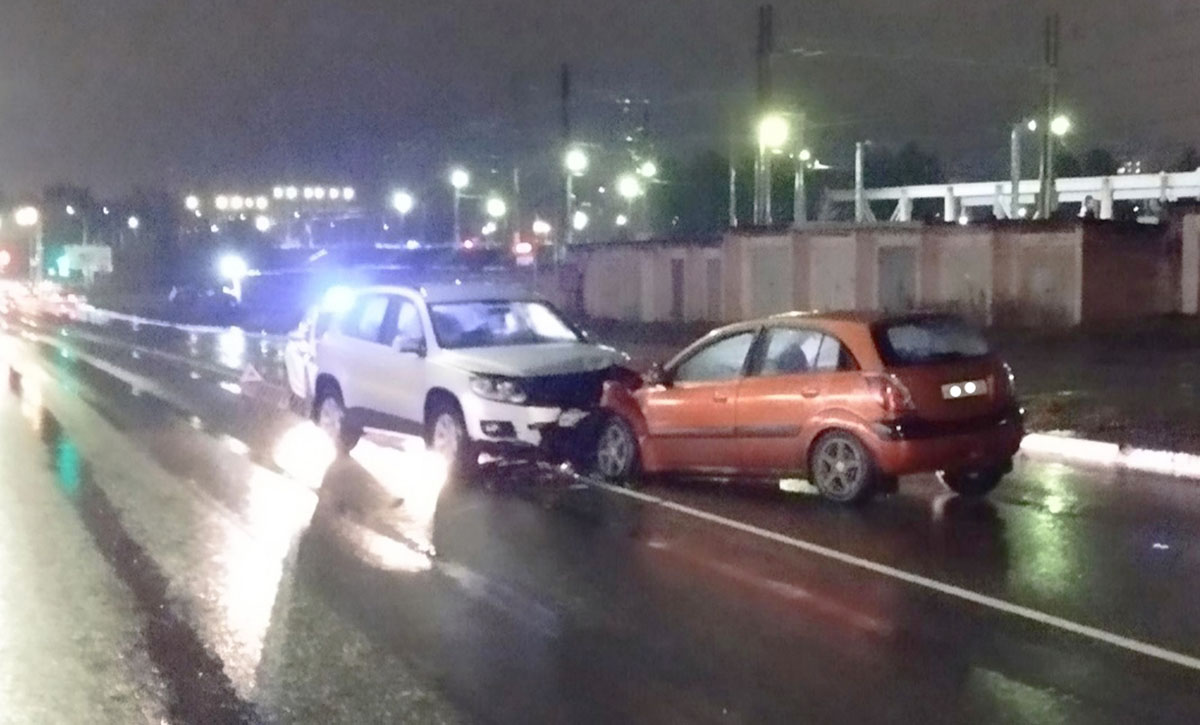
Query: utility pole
(1015, 161)
(564, 224)
(799, 193)
(516, 207)
(860, 197)
(1046, 189)
(733, 216)
(762, 168)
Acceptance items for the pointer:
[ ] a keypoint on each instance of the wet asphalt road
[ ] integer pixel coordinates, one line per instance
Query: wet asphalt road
(182, 548)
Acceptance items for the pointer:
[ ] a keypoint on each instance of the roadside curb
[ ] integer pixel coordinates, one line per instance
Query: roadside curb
(1064, 447)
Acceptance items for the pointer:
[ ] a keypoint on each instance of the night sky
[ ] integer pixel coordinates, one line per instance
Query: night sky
(117, 93)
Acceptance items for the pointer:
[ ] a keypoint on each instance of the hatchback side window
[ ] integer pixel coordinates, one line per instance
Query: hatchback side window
(366, 319)
(833, 356)
(722, 360)
(791, 351)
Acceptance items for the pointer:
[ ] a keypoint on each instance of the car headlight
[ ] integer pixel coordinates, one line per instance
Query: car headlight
(502, 390)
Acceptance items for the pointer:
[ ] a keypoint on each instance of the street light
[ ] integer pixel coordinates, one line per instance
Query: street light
(622, 220)
(541, 227)
(489, 229)
(773, 132)
(576, 162)
(459, 179)
(291, 193)
(629, 187)
(260, 203)
(403, 202)
(27, 216)
(579, 221)
(233, 268)
(133, 223)
(1014, 201)
(263, 223)
(192, 202)
(648, 169)
(221, 202)
(1060, 126)
(70, 210)
(496, 208)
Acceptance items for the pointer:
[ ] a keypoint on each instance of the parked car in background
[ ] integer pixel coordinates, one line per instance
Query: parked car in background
(852, 401)
(473, 368)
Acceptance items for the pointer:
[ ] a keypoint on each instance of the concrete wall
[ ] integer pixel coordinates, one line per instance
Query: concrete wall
(1005, 273)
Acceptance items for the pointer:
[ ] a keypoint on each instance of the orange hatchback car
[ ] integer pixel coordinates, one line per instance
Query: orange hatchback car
(851, 400)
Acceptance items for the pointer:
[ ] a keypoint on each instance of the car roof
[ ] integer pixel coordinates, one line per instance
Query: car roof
(442, 292)
(836, 318)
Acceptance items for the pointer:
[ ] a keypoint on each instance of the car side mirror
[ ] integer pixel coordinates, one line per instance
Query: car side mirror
(657, 376)
(410, 346)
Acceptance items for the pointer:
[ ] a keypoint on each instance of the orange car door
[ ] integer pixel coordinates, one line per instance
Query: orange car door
(792, 379)
(690, 419)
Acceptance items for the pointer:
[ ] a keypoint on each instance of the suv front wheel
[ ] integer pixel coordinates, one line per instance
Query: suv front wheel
(446, 433)
(329, 413)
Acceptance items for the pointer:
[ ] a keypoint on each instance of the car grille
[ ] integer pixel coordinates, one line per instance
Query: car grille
(573, 390)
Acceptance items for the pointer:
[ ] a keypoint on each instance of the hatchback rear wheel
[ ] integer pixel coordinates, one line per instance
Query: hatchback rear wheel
(841, 468)
(974, 482)
(617, 450)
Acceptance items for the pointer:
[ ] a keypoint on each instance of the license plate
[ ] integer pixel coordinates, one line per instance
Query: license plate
(965, 389)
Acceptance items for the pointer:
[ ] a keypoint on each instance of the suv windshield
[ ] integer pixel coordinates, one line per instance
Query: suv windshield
(925, 340)
(498, 323)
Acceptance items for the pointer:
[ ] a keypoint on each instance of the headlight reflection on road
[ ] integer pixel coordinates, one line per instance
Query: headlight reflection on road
(304, 452)
(231, 348)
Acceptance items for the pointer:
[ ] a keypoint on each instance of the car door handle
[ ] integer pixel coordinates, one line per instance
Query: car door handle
(810, 392)
(720, 398)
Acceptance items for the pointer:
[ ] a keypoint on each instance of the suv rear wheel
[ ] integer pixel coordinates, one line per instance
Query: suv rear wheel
(329, 413)
(841, 468)
(446, 433)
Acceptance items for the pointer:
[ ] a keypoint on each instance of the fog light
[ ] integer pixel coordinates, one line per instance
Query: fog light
(498, 429)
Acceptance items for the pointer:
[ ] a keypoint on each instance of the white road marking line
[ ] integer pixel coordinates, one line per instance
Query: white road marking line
(1083, 630)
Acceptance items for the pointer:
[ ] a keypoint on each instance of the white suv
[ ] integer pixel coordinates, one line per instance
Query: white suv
(473, 368)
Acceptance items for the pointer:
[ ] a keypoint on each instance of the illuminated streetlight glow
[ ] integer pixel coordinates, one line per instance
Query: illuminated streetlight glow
(214, 229)
(197, 213)
(348, 193)
(133, 223)
(541, 227)
(27, 216)
(192, 202)
(576, 161)
(262, 223)
(648, 169)
(222, 203)
(629, 187)
(460, 179)
(403, 202)
(236, 203)
(496, 207)
(773, 132)
(579, 221)
(260, 203)
(488, 229)
(308, 192)
(319, 193)
(522, 248)
(277, 192)
(1032, 125)
(1060, 126)
(291, 193)
(334, 192)
(233, 268)
(805, 155)
(70, 210)
(622, 220)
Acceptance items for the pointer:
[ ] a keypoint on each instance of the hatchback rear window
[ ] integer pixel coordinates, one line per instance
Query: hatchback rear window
(928, 340)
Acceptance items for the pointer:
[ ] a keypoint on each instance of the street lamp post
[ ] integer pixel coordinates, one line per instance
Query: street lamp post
(403, 202)
(1015, 154)
(29, 216)
(799, 189)
(576, 163)
(629, 189)
(459, 179)
(773, 132)
(1056, 127)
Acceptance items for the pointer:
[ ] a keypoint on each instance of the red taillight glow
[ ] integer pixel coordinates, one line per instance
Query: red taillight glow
(893, 395)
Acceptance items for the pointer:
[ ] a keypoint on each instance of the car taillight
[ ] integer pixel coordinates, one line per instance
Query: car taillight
(893, 396)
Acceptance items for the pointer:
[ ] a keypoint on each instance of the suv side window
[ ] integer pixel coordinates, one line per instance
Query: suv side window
(366, 318)
(721, 360)
(404, 323)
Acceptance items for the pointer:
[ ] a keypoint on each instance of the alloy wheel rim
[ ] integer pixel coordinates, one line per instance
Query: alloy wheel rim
(330, 418)
(614, 451)
(446, 436)
(839, 468)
